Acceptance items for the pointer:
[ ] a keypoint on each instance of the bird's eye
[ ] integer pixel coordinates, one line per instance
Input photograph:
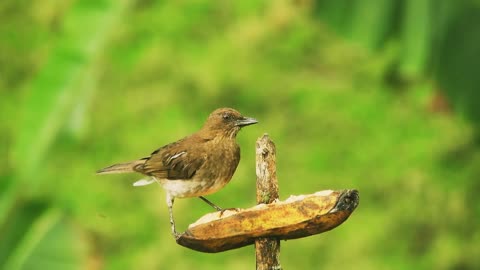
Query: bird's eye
(227, 116)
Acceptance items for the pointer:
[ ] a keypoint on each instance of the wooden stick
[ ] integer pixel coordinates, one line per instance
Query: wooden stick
(267, 250)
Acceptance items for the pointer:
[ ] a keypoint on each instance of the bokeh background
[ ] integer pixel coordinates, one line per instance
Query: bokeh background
(377, 95)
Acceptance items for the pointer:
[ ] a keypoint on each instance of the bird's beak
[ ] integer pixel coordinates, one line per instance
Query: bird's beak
(245, 121)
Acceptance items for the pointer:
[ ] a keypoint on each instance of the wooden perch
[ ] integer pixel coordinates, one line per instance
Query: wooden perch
(296, 217)
(267, 249)
(271, 220)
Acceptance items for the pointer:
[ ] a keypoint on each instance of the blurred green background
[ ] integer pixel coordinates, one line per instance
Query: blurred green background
(377, 95)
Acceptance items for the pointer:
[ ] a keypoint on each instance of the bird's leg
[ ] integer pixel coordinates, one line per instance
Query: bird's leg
(170, 200)
(210, 203)
(217, 207)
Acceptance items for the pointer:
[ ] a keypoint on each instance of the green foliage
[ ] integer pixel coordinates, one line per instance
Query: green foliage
(34, 235)
(346, 89)
(37, 238)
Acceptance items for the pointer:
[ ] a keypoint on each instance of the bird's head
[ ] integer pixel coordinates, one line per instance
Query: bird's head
(226, 122)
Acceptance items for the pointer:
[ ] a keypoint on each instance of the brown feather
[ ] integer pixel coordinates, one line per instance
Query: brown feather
(179, 160)
(126, 167)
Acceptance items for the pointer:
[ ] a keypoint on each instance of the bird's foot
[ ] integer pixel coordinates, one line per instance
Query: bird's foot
(228, 209)
(176, 235)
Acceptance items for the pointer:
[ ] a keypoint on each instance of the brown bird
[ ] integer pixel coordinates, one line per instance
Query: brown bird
(194, 166)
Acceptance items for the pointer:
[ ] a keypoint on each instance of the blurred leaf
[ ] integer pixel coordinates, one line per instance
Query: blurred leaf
(371, 21)
(56, 88)
(457, 70)
(78, 122)
(39, 239)
(13, 229)
(336, 13)
(416, 37)
(8, 197)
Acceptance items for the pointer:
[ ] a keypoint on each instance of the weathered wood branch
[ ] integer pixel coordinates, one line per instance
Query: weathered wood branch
(267, 249)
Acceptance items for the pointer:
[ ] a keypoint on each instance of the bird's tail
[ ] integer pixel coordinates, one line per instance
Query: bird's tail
(126, 167)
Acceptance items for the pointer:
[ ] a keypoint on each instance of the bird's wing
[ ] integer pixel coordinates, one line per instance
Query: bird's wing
(173, 162)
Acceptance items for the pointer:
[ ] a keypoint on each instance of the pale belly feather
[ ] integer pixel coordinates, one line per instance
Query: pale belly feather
(191, 188)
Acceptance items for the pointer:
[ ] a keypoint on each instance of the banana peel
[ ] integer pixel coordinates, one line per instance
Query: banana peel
(298, 216)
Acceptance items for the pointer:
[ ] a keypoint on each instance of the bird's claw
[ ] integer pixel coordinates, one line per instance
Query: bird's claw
(176, 235)
(229, 209)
